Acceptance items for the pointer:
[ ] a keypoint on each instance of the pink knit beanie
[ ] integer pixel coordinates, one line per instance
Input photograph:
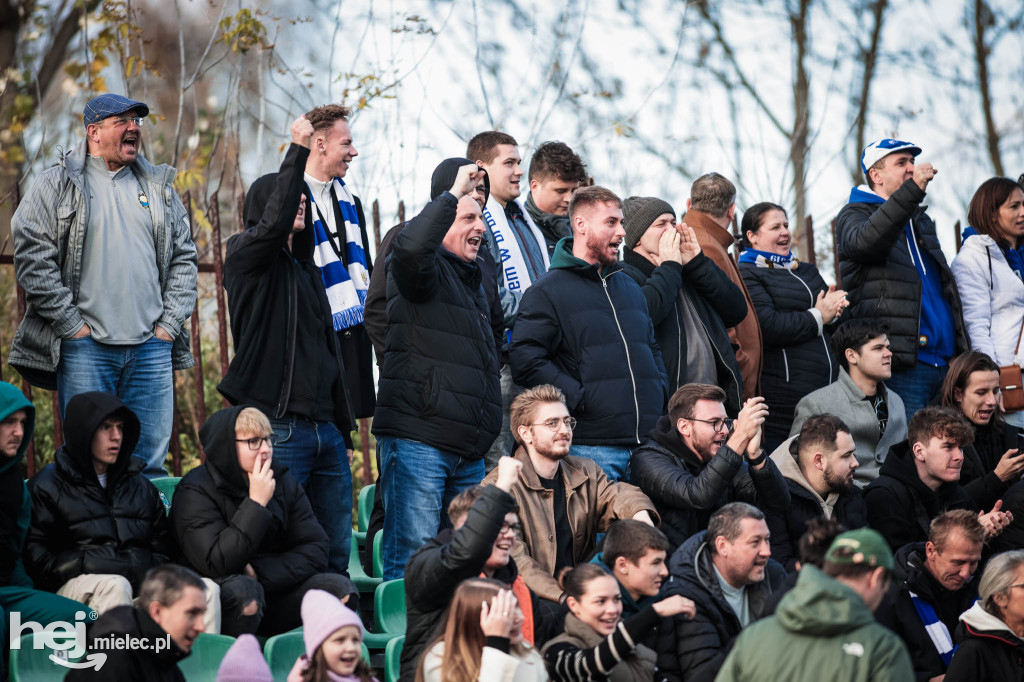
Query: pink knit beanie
(322, 615)
(244, 662)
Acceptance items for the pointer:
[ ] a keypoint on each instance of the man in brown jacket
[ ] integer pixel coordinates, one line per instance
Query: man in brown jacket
(709, 211)
(564, 501)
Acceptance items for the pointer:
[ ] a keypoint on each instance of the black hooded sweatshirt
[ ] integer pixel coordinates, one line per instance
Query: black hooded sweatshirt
(80, 527)
(901, 507)
(221, 529)
(287, 359)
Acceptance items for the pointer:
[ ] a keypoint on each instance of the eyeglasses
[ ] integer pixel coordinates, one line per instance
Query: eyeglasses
(718, 424)
(125, 120)
(555, 422)
(254, 443)
(516, 528)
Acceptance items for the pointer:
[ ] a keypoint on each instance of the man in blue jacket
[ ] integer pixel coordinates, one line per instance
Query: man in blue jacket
(584, 327)
(893, 268)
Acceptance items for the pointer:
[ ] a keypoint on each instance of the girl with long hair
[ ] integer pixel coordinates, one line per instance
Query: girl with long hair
(482, 639)
(333, 635)
(596, 644)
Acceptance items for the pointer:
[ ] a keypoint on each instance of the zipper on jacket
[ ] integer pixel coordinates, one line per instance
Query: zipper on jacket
(625, 344)
(828, 355)
(785, 363)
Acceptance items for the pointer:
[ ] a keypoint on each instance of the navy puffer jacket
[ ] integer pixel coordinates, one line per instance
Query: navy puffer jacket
(588, 333)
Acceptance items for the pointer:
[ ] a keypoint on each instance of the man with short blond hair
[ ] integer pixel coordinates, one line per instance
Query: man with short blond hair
(584, 327)
(564, 501)
(935, 584)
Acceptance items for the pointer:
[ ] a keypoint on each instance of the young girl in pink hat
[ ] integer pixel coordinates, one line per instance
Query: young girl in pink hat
(334, 636)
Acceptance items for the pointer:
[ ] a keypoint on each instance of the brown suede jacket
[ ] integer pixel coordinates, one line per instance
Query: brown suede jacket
(593, 501)
(715, 241)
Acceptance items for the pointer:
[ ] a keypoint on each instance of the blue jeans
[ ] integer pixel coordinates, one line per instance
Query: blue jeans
(316, 457)
(140, 375)
(419, 482)
(917, 386)
(614, 461)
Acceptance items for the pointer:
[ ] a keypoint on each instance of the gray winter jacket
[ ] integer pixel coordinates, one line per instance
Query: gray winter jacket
(49, 230)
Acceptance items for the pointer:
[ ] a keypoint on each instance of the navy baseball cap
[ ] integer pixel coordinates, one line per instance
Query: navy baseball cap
(108, 105)
(882, 148)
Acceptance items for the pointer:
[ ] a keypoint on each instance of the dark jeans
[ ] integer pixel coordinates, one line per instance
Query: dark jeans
(917, 386)
(276, 612)
(316, 456)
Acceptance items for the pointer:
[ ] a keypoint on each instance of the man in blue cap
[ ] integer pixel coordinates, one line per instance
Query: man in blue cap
(107, 313)
(894, 270)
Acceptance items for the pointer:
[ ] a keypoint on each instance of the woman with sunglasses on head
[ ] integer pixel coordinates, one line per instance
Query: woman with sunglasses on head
(796, 311)
(597, 644)
(482, 639)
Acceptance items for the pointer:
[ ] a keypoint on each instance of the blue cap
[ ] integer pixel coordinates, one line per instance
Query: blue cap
(109, 105)
(882, 148)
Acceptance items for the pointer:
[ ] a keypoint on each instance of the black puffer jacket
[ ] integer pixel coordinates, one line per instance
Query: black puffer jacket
(719, 304)
(1012, 536)
(901, 507)
(987, 649)
(121, 665)
(439, 379)
(686, 491)
(878, 271)
(898, 613)
(80, 527)
(221, 529)
(437, 568)
(588, 333)
(797, 355)
(260, 275)
(703, 642)
(978, 476)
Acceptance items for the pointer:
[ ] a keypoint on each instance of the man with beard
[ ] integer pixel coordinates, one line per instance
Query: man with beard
(698, 460)
(818, 465)
(935, 584)
(584, 327)
(485, 522)
(728, 572)
(107, 313)
(564, 501)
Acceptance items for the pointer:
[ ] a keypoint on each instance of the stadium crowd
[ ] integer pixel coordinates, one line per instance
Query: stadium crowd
(614, 441)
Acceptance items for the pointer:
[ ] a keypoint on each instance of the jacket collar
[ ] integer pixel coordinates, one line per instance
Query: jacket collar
(981, 623)
(631, 257)
(572, 473)
(846, 381)
(696, 219)
(74, 162)
(791, 471)
(564, 259)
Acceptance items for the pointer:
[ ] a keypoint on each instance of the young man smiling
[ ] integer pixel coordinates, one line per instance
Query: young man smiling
(89, 327)
(921, 479)
(584, 328)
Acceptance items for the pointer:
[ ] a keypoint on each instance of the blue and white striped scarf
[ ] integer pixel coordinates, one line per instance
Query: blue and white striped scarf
(346, 288)
(936, 629)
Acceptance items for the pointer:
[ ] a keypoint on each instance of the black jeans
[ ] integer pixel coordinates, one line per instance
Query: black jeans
(276, 612)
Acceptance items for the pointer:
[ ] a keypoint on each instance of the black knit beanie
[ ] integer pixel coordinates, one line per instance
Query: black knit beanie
(638, 213)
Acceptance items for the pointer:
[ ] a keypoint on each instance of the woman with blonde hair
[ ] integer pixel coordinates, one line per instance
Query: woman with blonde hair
(482, 639)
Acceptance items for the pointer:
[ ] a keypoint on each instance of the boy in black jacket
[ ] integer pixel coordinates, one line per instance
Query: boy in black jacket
(245, 522)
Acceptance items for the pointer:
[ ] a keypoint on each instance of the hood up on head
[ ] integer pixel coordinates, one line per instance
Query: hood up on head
(256, 200)
(444, 177)
(218, 438)
(83, 416)
(821, 606)
(12, 400)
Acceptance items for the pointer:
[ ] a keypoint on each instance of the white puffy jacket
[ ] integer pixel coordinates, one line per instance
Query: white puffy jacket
(992, 297)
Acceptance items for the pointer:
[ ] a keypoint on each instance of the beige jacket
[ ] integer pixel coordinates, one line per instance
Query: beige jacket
(593, 502)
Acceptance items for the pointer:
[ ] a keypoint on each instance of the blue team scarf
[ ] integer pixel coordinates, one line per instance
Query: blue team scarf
(346, 287)
(936, 629)
(766, 259)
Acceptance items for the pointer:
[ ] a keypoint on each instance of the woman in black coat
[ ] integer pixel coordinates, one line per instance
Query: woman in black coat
(795, 309)
(990, 635)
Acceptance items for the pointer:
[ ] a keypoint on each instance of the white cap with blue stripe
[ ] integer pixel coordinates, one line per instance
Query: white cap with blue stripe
(882, 148)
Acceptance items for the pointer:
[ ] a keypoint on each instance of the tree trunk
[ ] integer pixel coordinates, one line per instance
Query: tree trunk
(869, 56)
(982, 21)
(798, 147)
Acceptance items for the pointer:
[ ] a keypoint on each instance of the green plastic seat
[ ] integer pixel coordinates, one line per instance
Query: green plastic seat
(364, 583)
(378, 555)
(283, 650)
(393, 659)
(389, 614)
(363, 509)
(34, 665)
(166, 486)
(207, 652)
